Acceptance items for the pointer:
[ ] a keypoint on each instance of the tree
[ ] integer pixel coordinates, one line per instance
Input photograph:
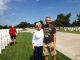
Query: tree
(74, 23)
(63, 20)
(30, 25)
(78, 20)
(35, 24)
(59, 21)
(1, 26)
(5, 27)
(67, 20)
(22, 25)
(53, 23)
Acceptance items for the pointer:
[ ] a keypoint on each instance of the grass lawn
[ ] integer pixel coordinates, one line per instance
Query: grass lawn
(23, 49)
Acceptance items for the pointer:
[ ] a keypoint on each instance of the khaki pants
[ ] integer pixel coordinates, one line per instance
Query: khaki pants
(48, 48)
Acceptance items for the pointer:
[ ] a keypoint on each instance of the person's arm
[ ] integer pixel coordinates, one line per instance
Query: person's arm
(54, 38)
(9, 31)
(15, 31)
(33, 40)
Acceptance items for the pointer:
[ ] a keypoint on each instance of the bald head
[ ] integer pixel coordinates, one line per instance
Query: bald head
(48, 20)
(12, 25)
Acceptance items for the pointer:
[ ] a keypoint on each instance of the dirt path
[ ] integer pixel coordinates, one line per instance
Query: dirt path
(69, 44)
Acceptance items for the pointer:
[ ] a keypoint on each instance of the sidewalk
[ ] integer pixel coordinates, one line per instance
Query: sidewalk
(69, 44)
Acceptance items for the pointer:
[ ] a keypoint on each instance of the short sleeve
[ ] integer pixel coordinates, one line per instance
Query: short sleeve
(53, 30)
(33, 39)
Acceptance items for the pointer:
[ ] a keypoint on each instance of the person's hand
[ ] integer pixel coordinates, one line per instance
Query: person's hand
(54, 45)
(33, 47)
(16, 34)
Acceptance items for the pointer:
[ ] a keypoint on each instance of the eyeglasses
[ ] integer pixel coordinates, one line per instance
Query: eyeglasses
(38, 25)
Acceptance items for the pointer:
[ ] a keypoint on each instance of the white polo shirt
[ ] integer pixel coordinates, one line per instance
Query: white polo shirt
(38, 37)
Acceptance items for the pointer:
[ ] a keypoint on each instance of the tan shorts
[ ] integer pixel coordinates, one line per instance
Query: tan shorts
(49, 48)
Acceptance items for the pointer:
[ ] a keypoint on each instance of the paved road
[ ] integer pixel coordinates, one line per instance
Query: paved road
(68, 44)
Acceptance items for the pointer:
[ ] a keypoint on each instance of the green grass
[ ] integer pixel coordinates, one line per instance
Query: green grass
(23, 49)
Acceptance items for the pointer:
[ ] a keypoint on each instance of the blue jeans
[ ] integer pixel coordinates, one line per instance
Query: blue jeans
(38, 52)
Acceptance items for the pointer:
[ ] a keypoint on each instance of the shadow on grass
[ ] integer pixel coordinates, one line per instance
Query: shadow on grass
(32, 57)
(59, 56)
(12, 43)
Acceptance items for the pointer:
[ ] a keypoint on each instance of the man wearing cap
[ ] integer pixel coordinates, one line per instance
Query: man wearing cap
(49, 43)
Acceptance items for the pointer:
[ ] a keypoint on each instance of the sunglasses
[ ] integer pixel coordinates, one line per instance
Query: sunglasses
(38, 25)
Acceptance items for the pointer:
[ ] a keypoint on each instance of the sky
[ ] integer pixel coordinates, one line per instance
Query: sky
(12, 12)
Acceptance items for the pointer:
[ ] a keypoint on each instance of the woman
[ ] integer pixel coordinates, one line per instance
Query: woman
(37, 42)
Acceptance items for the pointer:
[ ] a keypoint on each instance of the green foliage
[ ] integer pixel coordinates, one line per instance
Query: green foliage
(0, 26)
(4, 27)
(76, 22)
(22, 25)
(63, 20)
